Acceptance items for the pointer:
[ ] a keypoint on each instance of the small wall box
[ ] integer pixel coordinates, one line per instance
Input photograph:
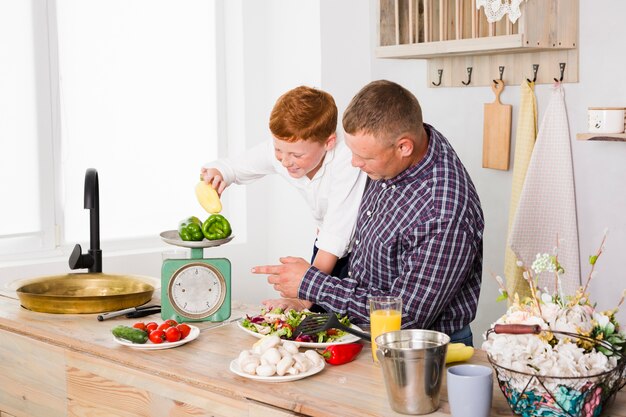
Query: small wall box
(605, 124)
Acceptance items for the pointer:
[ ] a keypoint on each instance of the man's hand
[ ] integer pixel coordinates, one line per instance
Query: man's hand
(285, 278)
(287, 303)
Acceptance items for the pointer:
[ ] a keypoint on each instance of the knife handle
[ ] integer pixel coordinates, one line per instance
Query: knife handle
(143, 313)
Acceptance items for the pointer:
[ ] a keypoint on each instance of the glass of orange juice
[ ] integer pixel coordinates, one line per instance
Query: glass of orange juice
(385, 316)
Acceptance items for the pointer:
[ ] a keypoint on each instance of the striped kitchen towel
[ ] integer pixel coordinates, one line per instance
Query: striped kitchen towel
(547, 205)
(525, 136)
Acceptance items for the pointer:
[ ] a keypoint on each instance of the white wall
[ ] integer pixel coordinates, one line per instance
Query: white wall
(293, 59)
(599, 167)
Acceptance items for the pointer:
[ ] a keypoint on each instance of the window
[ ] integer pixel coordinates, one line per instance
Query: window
(133, 91)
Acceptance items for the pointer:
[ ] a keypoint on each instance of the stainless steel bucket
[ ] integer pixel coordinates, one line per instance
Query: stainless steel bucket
(413, 365)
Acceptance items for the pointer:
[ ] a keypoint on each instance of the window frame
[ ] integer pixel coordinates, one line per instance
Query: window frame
(49, 242)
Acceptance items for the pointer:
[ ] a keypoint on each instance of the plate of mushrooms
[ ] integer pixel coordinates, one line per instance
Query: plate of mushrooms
(269, 360)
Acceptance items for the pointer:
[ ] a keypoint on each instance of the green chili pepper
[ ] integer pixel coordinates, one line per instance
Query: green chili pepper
(216, 227)
(190, 229)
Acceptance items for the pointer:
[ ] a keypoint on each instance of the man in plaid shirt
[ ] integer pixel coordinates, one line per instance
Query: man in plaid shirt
(419, 231)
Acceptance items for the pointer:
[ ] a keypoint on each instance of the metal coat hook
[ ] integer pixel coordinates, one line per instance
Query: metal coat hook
(535, 69)
(440, 73)
(562, 68)
(501, 69)
(469, 76)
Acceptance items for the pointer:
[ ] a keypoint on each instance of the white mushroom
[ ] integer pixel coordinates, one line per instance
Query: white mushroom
(284, 364)
(243, 355)
(269, 342)
(303, 363)
(293, 371)
(314, 357)
(249, 365)
(291, 347)
(271, 356)
(283, 352)
(265, 370)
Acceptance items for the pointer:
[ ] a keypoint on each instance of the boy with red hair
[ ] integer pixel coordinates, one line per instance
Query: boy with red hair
(305, 150)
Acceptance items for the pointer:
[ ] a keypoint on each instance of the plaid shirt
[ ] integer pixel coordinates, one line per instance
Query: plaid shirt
(419, 236)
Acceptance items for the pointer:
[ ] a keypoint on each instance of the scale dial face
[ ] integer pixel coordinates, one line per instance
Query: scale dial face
(197, 290)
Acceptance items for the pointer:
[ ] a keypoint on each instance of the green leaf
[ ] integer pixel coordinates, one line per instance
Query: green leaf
(609, 328)
(503, 296)
(593, 259)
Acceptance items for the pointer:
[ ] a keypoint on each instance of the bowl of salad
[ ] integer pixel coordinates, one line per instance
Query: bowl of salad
(283, 323)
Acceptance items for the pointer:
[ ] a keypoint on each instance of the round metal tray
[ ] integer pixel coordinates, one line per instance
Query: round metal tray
(172, 237)
(84, 293)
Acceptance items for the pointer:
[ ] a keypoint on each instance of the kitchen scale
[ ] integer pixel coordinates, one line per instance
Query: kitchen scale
(195, 288)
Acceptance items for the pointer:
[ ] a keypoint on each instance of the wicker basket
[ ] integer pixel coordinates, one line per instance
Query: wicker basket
(531, 395)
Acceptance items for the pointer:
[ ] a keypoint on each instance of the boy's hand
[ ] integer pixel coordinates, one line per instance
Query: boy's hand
(214, 177)
(285, 278)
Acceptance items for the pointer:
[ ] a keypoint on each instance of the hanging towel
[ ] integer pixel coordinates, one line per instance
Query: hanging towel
(525, 135)
(547, 205)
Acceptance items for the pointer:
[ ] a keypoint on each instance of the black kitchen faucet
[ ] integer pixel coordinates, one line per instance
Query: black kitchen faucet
(93, 258)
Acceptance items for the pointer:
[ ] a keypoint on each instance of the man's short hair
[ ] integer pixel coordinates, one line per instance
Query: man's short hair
(385, 110)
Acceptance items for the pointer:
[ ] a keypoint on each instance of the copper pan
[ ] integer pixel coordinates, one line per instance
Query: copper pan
(84, 293)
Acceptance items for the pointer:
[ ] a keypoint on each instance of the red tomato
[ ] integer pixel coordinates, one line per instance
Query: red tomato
(171, 322)
(184, 330)
(140, 325)
(164, 326)
(172, 334)
(151, 326)
(157, 336)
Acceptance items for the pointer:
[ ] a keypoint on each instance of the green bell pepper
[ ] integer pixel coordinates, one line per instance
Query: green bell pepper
(216, 227)
(190, 229)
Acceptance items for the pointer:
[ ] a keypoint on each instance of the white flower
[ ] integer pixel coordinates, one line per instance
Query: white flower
(594, 362)
(522, 317)
(549, 312)
(543, 262)
(576, 319)
(601, 319)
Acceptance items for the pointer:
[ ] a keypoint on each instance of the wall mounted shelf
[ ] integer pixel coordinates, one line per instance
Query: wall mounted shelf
(609, 137)
(453, 36)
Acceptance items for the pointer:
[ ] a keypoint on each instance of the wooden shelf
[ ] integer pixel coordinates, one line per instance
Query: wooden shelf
(608, 137)
(492, 45)
(456, 38)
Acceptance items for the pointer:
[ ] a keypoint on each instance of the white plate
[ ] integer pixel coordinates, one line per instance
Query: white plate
(172, 237)
(193, 334)
(234, 367)
(347, 338)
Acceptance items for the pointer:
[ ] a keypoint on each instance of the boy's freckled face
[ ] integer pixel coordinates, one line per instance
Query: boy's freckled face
(300, 158)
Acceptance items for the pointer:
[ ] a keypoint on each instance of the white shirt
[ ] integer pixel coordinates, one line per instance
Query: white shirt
(334, 193)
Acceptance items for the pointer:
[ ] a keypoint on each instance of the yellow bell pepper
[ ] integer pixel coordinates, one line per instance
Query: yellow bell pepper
(458, 352)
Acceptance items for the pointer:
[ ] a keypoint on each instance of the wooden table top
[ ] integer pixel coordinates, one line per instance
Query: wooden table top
(354, 389)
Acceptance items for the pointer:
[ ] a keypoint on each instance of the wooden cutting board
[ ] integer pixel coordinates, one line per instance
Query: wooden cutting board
(497, 131)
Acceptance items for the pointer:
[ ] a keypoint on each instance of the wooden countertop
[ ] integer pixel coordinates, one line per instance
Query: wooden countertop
(355, 389)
